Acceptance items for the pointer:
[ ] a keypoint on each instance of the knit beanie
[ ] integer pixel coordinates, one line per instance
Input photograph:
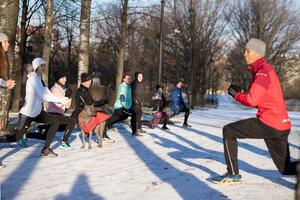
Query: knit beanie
(3, 37)
(37, 62)
(85, 77)
(257, 45)
(59, 74)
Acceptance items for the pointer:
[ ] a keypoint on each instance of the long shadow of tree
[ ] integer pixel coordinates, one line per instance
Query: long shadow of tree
(204, 153)
(186, 184)
(81, 190)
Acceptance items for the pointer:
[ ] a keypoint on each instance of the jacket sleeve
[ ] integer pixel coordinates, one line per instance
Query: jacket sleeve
(43, 92)
(2, 83)
(55, 91)
(257, 90)
(101, 102)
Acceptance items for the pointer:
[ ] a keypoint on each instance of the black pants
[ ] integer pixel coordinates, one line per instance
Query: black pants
(138, 112)
(66, 124)
(120, 115)
(276, 141)
(186, 114)
(43, 117)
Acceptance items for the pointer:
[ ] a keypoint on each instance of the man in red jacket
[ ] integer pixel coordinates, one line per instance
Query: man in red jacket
(272, 122)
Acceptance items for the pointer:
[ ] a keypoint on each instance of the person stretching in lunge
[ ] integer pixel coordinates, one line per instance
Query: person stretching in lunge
(178, 104)
(122, 107)
(159, 102)
(58, 110)
(36, 94)
(272, 122)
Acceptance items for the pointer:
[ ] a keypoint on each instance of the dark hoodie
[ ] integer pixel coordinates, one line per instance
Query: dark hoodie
(137, 91)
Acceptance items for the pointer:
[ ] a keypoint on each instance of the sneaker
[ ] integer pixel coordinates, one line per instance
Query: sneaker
(141, 131)
(22, 142)
(106, 138)
(227, 179)
(165, 128)
(48, 152)
(1, 165)
(186, 125)
(65, 146)
(136, 134)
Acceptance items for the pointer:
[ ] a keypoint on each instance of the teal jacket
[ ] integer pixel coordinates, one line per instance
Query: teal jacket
(124, 97)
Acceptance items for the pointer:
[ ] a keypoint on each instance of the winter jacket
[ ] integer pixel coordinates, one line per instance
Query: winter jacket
(60, 108)
(124, 97)
(36, 94)
(2, 85)
(177, 101)
(158, 102)
(83, 97)
(137, 92)
(265, 94)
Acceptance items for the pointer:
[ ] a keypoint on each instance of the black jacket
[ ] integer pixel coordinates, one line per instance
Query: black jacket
(137, 92)
(82, 97)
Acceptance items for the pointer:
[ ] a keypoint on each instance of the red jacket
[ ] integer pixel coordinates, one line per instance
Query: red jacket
(265, 94)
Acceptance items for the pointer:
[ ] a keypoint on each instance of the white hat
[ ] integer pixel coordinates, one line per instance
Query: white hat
(3, 37)
(37, 62)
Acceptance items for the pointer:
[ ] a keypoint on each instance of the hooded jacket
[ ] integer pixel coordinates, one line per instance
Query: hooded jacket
(177, 101)
(36, 94)
(265, 94)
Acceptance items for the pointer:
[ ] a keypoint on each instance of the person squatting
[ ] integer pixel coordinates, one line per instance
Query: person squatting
(271, 123)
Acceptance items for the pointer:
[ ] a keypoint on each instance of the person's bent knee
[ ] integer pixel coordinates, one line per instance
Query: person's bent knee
(226, 130)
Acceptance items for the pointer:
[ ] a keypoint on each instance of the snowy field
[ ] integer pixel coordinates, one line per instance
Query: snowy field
(167, 165)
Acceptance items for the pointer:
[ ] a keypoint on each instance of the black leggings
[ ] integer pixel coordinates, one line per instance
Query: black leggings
(43, 117)
(186, 114)
(276, 141)
(120, 115)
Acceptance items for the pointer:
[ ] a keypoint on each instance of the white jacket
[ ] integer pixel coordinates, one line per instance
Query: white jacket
(36, 94)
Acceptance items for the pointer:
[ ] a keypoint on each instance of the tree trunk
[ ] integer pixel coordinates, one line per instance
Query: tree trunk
(84, 38)
(20, 66)
(8, 24)
(121, 53)
(48, 38)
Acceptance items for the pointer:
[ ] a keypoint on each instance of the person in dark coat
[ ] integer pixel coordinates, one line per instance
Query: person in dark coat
(83, 97)
(137, 99)
(178, 104)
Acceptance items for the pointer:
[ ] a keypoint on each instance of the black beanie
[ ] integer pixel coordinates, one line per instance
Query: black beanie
(85, 77)
(59, 74)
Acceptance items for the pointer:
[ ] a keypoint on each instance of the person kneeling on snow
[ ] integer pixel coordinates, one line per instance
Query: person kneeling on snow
(32, 110)
(159, 102)
(271, 123)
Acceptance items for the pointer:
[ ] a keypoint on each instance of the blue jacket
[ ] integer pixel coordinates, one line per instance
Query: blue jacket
(177, 101)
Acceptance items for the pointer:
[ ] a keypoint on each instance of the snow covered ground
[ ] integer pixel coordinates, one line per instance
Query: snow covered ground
(168, 165)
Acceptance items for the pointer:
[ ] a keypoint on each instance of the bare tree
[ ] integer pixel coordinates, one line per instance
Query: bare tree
(8, 24)
(84, 38)
(27, 13)
(123, 36)
(48, 37)
(274, 21)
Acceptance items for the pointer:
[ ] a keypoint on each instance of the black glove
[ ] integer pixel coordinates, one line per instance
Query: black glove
(68, 92)
(105, 101)
(233, 89)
